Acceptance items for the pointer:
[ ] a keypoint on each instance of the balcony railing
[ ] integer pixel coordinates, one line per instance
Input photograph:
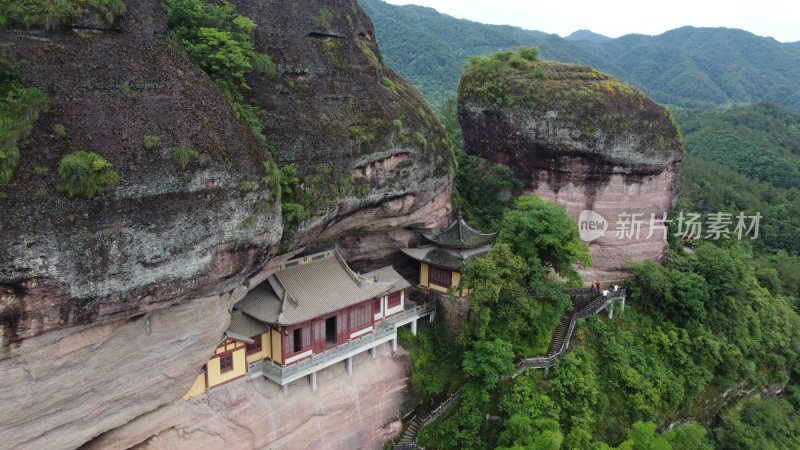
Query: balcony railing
(384, 331)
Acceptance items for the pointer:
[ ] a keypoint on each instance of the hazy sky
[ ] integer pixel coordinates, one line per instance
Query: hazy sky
(776, 18)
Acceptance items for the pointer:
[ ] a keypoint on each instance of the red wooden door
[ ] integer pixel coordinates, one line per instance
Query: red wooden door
(318, 339)
(342, 328)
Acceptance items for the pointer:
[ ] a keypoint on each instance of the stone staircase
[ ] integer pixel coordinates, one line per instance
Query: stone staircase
(408, 440)
(586, 302)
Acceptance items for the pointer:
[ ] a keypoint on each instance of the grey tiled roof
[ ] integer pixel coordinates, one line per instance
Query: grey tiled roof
(450, 258)
(262, 304)
(459, 235)
(243, 325)
(316, 288)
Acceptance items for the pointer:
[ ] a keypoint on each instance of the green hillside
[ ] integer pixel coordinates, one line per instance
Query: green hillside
(687, 67)
(761, 141)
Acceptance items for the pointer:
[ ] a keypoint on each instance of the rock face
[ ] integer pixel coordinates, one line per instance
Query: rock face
(364, 141)
(582, 139)
(358, 412)
(110, 306)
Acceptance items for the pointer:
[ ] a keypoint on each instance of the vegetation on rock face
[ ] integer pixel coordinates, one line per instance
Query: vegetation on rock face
(323, 20)
(19, 108)
(85, 174)
(186, 157)
(219, 40)
(53, 13)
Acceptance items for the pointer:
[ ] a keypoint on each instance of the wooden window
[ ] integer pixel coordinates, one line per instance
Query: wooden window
(255, 347)
(441, 277)
(226, 363)
(394, 300)
(377, 306)
(360, 317)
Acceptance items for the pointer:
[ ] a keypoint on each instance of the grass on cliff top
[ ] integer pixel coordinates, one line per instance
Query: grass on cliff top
(510, 78)
(53, 13)
(591, 101)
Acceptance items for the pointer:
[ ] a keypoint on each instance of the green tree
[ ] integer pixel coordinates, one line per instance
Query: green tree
(488, 360)
(545, 237)
(575, 388)
(642, 436)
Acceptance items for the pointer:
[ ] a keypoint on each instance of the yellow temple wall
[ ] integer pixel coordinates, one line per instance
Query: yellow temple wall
(277, 355)
(423, 274)
(215, 377)
(198, 388)
(266, 350)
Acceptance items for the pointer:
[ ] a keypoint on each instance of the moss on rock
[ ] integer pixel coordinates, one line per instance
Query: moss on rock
(594, 106)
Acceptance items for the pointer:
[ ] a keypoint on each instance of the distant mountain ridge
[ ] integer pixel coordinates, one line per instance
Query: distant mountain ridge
(687, 67)
(587, 35)
(794, 44)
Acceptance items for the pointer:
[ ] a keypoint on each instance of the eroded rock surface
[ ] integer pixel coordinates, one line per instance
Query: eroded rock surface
(363, 139)
(581, 139)
(358, 412)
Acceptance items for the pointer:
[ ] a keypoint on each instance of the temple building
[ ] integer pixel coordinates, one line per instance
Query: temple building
(446, 254)
(313, 313)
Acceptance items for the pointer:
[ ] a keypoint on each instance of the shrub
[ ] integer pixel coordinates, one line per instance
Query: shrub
(264, 65)
(248, 221)
(324, 19)
(150, 142)
(367, 50)
(389, 84)
(85, 174)
(420, 139)
(219, 40)
(185, 157)
(125, 87)
(41, 171)
(361, 134)
(19, 109)
(293, 214)
(362, 190)
(246, 186)
(60, 130)
(398, 125)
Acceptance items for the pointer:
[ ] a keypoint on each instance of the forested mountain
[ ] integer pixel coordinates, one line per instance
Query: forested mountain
(794, 44)
(761, 141)
(688, 67)
(587, 35)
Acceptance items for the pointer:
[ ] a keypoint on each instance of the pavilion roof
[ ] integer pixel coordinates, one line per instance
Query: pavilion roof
(459, 235)
(449, 258)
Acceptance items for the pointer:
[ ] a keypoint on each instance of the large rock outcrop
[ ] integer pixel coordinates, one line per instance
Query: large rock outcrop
(361, 411)
(110, 306)
(579, 138)
(365, 142)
